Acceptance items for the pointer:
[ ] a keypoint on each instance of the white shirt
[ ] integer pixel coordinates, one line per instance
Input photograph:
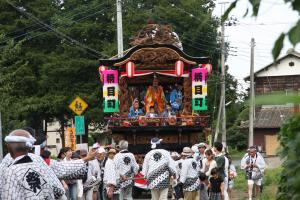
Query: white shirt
(258, 160)
(111, 175)
(226, 168)
(94, 169)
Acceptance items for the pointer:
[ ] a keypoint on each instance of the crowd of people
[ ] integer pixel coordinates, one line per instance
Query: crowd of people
(199, 172)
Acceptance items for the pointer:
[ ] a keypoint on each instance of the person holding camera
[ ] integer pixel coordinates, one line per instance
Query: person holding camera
(254, 165)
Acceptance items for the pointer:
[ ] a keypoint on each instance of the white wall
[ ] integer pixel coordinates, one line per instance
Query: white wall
(282, 69)
(53, 137)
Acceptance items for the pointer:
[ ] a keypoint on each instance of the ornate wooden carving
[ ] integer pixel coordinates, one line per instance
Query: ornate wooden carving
(187, 89)
(124, 97)
(155, 34)
(159, 58)
(162, 58)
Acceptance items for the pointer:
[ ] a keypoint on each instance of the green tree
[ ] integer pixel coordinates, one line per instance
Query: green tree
(289, 186)
(44, 67)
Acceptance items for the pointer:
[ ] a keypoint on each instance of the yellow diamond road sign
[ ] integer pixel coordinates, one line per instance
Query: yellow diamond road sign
(78, 105)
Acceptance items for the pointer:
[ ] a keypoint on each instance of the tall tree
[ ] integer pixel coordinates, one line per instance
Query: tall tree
(50, 55)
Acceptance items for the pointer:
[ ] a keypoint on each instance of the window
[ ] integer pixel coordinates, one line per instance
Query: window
(291, 64)
(57, 140)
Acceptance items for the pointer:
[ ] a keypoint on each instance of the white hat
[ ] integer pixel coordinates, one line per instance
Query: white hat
(195, 149)
(154, 142)
(96, 146)
(187, 151)
(174, 154)
(101, 150)
(202, 144)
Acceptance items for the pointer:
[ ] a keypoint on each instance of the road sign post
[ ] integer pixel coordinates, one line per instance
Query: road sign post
(79, 126)
(78, 106)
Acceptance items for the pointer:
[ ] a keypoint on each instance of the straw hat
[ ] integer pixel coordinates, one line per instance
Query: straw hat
(187, 151)
(112, 151)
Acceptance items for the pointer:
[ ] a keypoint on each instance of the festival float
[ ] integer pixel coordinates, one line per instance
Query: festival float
(155, 90)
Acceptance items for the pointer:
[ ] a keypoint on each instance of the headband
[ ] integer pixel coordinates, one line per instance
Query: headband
(153, 144)
(13, 138)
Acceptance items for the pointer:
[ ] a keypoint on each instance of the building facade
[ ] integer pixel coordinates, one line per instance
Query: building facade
(280, 76)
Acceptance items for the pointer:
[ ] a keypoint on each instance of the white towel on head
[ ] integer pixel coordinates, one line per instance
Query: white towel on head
(13, 138)
(153, 144)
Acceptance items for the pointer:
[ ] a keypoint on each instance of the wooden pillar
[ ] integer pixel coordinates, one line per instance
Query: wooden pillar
(124, 97)
(179, 136)
(187, 92)
(134, 139)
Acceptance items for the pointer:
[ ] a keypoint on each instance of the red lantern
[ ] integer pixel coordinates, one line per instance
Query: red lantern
(208, 67)
(101, 69)
(179, 65)
(130, 69)
(101, 78)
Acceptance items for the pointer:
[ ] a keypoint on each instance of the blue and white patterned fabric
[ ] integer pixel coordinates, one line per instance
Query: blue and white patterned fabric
(175, 98)
(158, 167)
(28, 177)
(189, 174)
(127, 166)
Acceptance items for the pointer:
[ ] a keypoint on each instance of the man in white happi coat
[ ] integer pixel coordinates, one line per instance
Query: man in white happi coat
(26, 175)
(189, 175)
(23, 178)
(254, 164)
(91, 187)
(111, 178)
(158, 168)
(128, 168)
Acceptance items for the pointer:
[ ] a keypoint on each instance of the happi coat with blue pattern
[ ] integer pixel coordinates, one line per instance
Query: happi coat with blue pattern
(127, 166)
(29, 177)
(189, 174)
(158, 167)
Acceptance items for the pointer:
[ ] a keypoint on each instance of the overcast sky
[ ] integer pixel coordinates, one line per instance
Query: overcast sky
(274, 18)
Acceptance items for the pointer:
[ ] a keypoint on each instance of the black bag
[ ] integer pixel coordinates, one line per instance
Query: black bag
(256, 175)
(178, 191)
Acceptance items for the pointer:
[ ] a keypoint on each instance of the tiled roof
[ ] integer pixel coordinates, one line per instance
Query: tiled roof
(269, 118)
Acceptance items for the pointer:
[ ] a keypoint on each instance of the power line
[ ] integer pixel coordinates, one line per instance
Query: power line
(68, 15)
(58, 33)
(43, 27)
(75, 22)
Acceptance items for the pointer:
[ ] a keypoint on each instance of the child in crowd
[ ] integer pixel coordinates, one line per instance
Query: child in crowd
(203, 187)
(216, 186)
(46, 155)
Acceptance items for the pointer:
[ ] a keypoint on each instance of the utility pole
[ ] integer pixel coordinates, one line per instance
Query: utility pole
(251, 109)
(119, 28)
(223, 110)
(223, 116)
(1, 145)
(218, 120)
